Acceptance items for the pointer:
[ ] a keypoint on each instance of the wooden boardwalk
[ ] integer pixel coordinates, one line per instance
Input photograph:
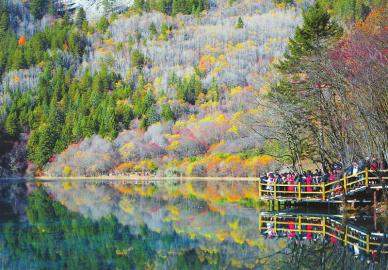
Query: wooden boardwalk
(323, 192)
(298, 226)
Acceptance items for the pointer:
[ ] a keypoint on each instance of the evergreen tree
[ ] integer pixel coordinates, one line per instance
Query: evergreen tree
(365, 10)
(164, 6)
(41, 144)
(11, 124)
(124, 115)
(240, 23)
(176, 7)
(287, 2)
(77, 43)
(139, 5)
(213, 93)
(167, 114)
(149, 100)
(80, 18)
(153, 30)
(4, 22)
(17, 59)
(103, 24)
(137, 59)
(150, 117)
(107, 123)
(189, 89)
(314, 35)
(38, 8)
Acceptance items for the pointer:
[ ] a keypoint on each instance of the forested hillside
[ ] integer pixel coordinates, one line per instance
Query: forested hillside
(218, 88)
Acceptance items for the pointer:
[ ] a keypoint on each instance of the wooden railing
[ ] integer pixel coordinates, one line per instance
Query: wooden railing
(326, 227)
(322, 191)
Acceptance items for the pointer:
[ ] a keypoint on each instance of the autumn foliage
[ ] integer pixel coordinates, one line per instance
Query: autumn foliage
(22, 40)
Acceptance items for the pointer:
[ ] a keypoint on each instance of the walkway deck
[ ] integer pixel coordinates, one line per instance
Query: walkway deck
(323, 192)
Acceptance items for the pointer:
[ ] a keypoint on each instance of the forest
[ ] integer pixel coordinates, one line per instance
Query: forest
(195, 88)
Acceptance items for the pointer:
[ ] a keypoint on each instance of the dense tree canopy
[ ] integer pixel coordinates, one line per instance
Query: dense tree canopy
(173, 7)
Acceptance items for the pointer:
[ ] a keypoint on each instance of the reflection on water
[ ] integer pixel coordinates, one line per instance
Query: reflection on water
(170, 225)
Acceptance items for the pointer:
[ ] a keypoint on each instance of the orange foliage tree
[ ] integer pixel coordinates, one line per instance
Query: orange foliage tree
(375, 23)
(22, 40)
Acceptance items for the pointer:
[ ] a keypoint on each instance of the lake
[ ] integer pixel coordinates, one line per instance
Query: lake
(175, 225)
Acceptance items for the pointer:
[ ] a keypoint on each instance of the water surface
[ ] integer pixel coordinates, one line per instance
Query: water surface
(173, 225)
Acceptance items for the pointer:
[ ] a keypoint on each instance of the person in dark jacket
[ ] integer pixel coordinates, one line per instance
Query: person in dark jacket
(349, 170)
(363, 164)
(383, 164)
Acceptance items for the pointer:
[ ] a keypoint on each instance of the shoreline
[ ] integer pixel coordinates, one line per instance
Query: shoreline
(131, 178)
(147, 178)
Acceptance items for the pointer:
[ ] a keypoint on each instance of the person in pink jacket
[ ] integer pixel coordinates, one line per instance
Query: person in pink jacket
(331, 176)
(309, 181)
(290, 181)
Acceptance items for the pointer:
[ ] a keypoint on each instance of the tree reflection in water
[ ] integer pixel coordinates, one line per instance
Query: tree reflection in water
(166, 226)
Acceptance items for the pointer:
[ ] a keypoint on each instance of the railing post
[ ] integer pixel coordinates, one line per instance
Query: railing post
(260, 189)
(259, 222)
(323, 226)
(299, 192)
(345, 180)
(275, 225)
(366, 177)
(323, 191)
(274, 190)
(367, 243)
(299, 224)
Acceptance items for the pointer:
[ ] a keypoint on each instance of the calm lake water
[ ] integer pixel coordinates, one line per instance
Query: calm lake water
(170, 225)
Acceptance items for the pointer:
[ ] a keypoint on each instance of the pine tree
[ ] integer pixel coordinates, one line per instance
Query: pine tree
(153, 30)
(103, 24)
(167, 114)
(139, 5)
(124, 115)
(137, 59)
(189, 89)
(11, 124)
(107, 121)
(4, 22)
(240, 23)
(76, 43)
(365, 10)
(80, 18)
(18, 60)
(213, 92)
(176, 7)
(41, 144)
(314, 35)
(150, 117)
(38, 8)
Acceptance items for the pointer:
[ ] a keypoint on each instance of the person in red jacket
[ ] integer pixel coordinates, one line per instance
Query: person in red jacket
(374, 165)
(290, 181)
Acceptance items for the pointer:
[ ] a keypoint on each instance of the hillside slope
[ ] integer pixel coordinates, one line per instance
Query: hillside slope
(180, 87)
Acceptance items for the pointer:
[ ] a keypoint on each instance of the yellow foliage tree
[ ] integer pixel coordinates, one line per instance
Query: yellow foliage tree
(67, 171)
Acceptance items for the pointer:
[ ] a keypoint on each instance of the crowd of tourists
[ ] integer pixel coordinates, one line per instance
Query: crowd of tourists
(289, 180)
